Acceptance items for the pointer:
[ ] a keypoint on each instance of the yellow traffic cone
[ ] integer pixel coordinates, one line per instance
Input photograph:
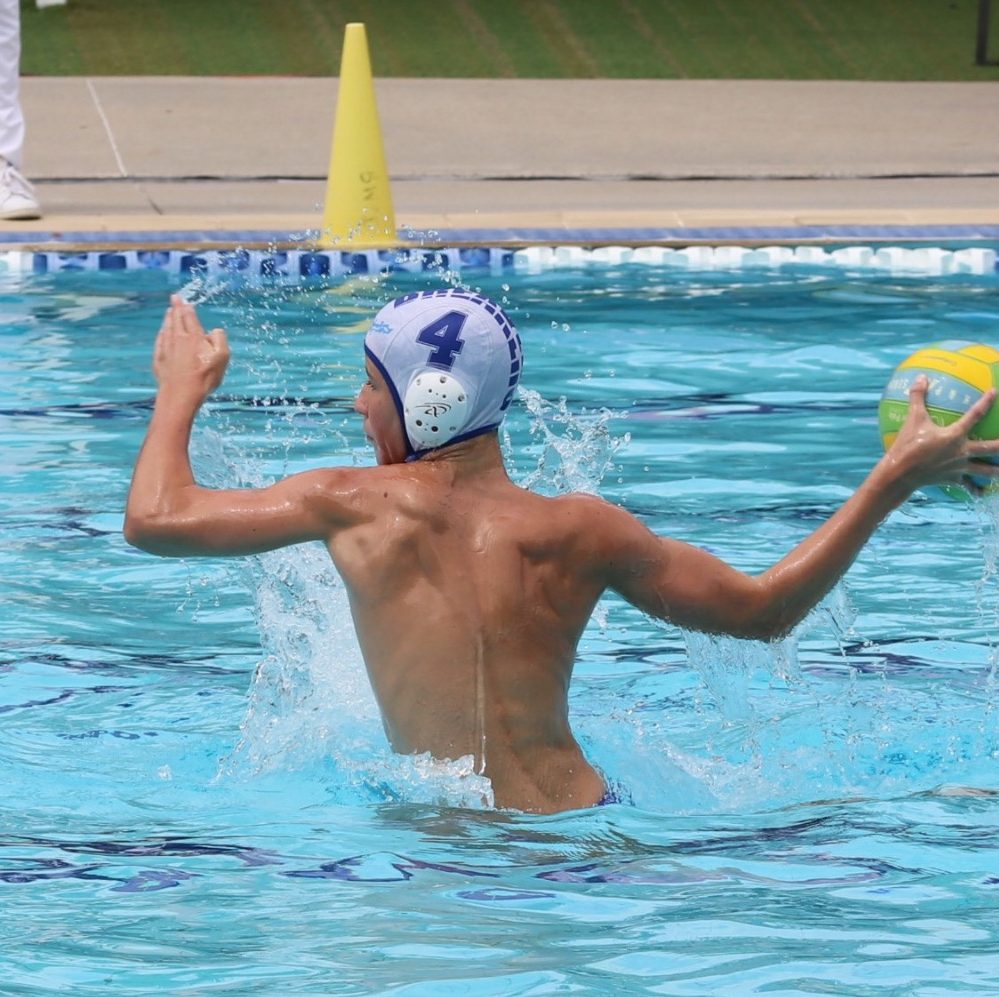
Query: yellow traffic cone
(358, 210)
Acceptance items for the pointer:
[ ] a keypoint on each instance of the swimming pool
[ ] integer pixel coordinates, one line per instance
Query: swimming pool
(197, 795)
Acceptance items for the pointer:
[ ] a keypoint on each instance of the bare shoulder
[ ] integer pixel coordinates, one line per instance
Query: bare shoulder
(592, 510)
(346, 494)
(615, 547)
(600, 526)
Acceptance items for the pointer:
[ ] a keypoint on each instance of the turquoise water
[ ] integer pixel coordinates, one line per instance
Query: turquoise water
(197, 796)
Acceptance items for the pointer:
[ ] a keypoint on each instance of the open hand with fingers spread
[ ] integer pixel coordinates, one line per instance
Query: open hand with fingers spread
(187, 361)
(925, 453)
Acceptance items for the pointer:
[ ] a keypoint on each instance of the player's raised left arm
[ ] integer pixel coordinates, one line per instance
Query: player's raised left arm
(694, 589)
(922, 454)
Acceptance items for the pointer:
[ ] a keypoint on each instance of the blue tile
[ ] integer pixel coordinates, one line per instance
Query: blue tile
(153, 259)
(234, 261)
(314, 265)
(191, 263)
(273, 264)
(354, 262)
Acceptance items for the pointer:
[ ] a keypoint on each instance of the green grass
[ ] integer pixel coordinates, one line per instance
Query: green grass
(665, 39)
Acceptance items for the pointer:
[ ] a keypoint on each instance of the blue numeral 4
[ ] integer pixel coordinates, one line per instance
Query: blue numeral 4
(444, 336)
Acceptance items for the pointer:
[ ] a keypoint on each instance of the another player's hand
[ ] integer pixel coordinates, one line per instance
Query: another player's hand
(928, 454)
(186, 360)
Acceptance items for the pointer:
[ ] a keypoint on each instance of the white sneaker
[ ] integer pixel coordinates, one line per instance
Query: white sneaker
(17, 197)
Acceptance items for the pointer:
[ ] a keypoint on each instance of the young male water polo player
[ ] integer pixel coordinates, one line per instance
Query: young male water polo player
(468, 593)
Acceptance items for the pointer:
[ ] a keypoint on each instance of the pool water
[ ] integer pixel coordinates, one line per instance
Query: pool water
(197, 795)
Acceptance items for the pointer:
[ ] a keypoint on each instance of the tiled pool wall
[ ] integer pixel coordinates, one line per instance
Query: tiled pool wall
(293, 263)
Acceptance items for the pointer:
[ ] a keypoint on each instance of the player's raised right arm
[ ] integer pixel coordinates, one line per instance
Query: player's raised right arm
(169, 513)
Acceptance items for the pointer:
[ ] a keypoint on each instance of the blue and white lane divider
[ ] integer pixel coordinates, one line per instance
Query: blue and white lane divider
(293, 264)
(892, 259)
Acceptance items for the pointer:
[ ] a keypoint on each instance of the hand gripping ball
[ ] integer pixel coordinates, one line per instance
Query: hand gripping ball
(959, 373)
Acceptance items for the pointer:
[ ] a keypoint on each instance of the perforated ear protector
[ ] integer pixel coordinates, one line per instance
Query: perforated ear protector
(435, 408)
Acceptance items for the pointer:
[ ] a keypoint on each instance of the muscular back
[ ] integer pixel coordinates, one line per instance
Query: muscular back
(469, 596)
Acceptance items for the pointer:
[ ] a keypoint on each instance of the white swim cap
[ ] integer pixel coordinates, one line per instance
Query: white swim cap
(451, 360)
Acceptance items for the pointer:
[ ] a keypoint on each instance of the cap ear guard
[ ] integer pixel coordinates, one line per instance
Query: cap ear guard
(435, 409)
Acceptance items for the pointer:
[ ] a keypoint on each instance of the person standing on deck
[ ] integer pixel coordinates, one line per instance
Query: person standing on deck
(18, 201)
(469, 594)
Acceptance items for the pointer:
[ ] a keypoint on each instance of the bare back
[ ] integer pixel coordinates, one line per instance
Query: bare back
(469, 596)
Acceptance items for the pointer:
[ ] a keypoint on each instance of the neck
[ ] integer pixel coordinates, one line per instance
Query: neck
(478, 455)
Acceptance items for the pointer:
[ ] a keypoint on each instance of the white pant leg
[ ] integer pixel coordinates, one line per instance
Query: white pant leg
(11, 117)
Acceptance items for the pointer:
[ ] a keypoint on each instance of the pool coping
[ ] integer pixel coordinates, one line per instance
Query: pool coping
(242, 162)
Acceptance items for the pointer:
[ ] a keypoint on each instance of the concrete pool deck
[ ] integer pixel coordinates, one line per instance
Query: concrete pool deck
(154, 160)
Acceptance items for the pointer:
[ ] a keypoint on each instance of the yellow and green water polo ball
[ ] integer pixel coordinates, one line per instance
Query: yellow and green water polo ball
(959, 373)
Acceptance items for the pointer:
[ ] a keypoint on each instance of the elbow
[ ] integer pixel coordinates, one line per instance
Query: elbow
(756, 628)
(763, 618)
(147, 531)
(138, 531)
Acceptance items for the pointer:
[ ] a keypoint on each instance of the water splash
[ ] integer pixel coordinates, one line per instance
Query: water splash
(311, 706)
(310, 694)
(203, 287)
(987, 590)
(729, 667)
(577, 449)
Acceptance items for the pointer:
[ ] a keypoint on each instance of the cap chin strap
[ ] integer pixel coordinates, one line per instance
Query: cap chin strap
(435, 409)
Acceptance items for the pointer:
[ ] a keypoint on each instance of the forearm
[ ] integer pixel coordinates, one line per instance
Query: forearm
(796, 584)
(169, 514)
(695, 589)
(163, 468)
